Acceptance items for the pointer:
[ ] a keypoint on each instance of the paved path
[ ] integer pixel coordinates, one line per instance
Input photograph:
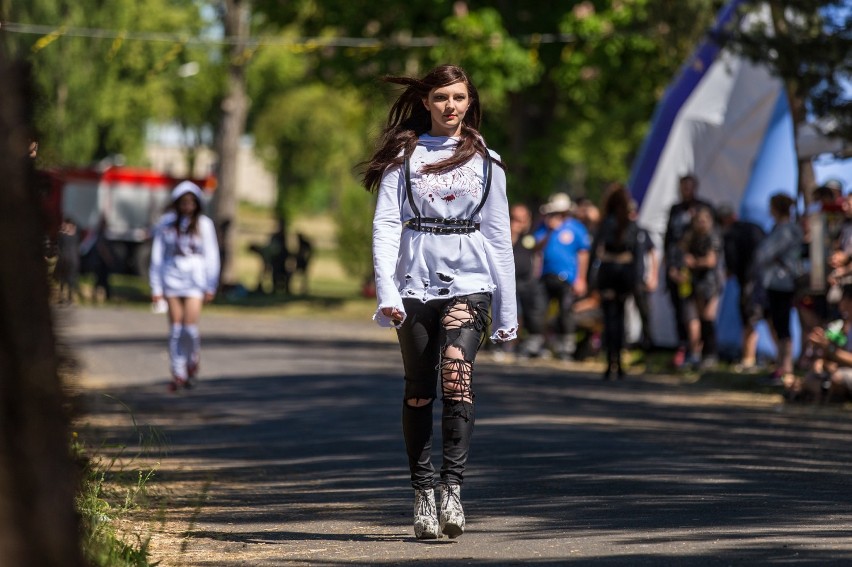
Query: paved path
(290, 453)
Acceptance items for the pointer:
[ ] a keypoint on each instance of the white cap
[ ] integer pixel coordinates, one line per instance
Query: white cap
(185, 187)
(557, 203)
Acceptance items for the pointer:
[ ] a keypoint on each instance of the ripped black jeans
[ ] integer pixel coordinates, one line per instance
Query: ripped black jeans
(439, 341)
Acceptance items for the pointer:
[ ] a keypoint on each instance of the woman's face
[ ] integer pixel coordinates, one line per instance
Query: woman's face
(703, 222)
(520, 219)
(447, 106)
(187, 204)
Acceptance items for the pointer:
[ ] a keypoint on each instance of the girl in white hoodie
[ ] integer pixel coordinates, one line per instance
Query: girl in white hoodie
(184, 271)
(442, 253)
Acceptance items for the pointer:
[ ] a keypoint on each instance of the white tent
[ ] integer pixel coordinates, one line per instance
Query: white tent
(725, 120)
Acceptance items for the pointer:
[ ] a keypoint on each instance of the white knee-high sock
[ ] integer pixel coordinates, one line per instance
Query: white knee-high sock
(193, 334)
(177, 356)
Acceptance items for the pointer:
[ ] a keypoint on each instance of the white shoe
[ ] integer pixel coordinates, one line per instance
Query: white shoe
(452, 513)
(425, 515)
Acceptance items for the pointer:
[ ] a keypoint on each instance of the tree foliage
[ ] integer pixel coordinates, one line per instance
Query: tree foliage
(570, 113)
(808, 44)
(97, 95)
(312, 137)
(568, 88)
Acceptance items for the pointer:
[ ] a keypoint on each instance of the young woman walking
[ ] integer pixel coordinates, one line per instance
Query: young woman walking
(184, 271)
(442, 253)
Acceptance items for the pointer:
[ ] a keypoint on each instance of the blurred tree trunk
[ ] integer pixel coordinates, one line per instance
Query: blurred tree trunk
(38, 522)
(236, 18)
(796, 100)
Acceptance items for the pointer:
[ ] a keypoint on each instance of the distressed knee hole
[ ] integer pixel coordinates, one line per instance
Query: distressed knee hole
(418, 402)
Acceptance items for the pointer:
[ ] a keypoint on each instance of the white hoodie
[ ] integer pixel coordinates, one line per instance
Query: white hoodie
(428, 266)
(184, 265)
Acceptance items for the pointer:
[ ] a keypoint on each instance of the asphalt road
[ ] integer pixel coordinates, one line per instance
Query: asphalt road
(290, 453)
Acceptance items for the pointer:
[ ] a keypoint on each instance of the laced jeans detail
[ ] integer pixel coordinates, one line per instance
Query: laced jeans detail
(456, 377)
(465, 322)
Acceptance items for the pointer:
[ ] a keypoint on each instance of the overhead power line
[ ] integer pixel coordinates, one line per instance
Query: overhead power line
(331, 41)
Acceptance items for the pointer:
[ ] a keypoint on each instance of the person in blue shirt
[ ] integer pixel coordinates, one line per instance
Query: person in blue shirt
(564, 243)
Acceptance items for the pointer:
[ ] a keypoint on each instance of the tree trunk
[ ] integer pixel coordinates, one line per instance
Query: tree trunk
(806, 181)
(236, 19)
(38, 522)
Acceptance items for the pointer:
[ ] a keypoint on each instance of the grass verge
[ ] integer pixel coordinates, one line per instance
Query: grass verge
(104, 499)
(113, 486)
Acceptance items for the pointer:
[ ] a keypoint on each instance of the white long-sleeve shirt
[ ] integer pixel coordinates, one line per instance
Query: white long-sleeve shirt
(184, 265)
(426, 266)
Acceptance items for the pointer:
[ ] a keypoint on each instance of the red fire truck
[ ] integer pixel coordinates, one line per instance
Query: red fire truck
(129, 200)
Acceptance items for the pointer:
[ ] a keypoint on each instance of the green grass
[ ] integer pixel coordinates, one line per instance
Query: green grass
(109, 492)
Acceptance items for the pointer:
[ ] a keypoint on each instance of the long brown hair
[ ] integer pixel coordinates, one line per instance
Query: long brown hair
(408, 119)
(192, 228)
(616, 204)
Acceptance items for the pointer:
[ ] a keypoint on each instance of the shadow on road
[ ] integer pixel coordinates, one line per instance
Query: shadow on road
(631, 457)
(303, 456)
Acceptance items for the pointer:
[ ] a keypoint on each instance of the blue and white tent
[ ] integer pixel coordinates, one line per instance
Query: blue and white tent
(725, 120)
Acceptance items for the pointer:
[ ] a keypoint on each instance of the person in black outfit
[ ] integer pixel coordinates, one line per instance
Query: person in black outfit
(680, 220)
(702, 251)
(67, 271)
(527, 268)
(304, 252)
(97, 258)
(615, 248)
(740, 240)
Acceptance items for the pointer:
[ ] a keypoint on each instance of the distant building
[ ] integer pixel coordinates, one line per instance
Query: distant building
(165, 152)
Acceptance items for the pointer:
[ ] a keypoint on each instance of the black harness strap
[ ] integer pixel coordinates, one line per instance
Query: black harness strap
(445, 226)
(487, 189)
(411, 202)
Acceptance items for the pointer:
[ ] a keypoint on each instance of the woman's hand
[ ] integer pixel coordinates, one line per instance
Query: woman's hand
(817, 338)
(833, 277)
(502, 336)
(156, 298)
(651, 282)
(208, 296)
(393, 314)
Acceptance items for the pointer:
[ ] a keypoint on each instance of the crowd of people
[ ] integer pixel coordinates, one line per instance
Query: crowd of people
(577, 265)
